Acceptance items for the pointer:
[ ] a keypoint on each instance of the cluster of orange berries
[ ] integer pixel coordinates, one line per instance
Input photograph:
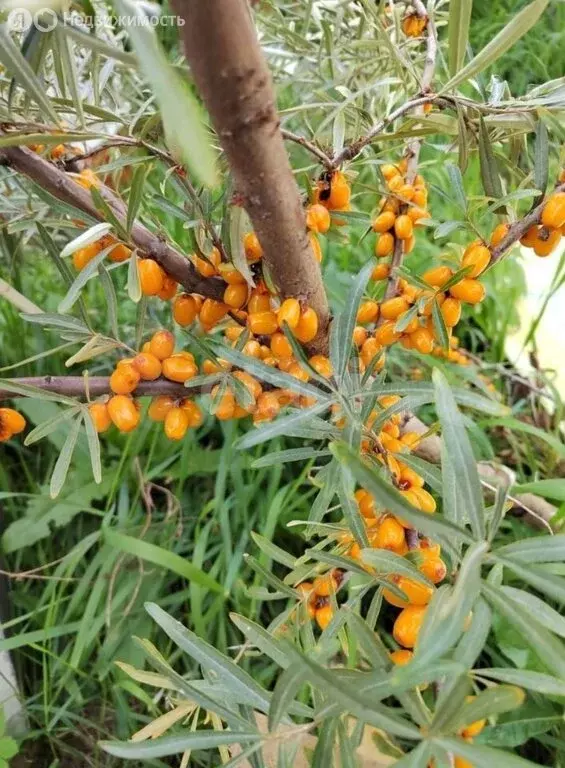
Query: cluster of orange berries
(157, 358)
(385, 531)
(545, 236)
(11, 423)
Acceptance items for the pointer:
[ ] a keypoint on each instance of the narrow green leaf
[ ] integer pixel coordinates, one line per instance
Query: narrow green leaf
(291, 454)
(493, 701)
(134, 282)
(542, 580)
(111, 299)
(93, 446)
(341, 332)
(547, 616)
(91, 235)
(389, 563)
(439, 325)
(239, 225)
(459, 20)
(12, 58)
(68, 301)
(239, 682)
(489, 169)
(50, 425)
(289, 683)
(545, 645)
(533, 681)
(67, 58)
(467, 497)
(456, 186)
(283, 426)
(484, 757)
(260, 637)
(64, 460)
(541, 157)
(541, 549)
(520, 426)
(160, 557)
(174, 745)
(550, 488)
(186, 135)
(519, 24)
(136, 193)
(325, 745)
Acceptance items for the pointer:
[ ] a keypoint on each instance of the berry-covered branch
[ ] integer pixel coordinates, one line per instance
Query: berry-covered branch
(233, 79)
(93, 386)
(64, 187)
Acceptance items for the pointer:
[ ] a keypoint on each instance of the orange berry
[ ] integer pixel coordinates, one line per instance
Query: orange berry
(389, 535)
(258, 302)
(403, 227)
(193, 412)
(267, 407)
(384, 222)
(230, 274)
(262, 323)
(546, 245)
(179, 367)
(122, 253)
(359, 335)
(406, 192)
(395, 183)
(159, 407)
(315, 246)
(499, 233)
(324, 615)
(212, 312)
(280, 346)
(100, 416)
(124, 379)
(531, 237)
(433, 567)
(236, 295)
(389, 170)
(422, 340)
(169, 288)
(415, 213)
(162, 344)
(208, 267)
(368, 312)
(380, 272)
(185, 309)
(408, 244)
(385, 333)
(391, 309)
(289, 313)
(123, 412)
(384, 246)
(468, 290)
(366, 503)
(151, 277)
(11, 423)
(176, 423)
(437, 276)
(553, 213)
(225, 407)
(461, 762)
(416, 593)
(413, 25)
(370, 348)
(325, 585)
(86, 254)
(252, 348)
(477, 257)
(252, 247)
(87, 178)
(147, 365)
(307, 327)
(339, 193)
(451, 311)
(321, 365)
(318, 218)
(408, 624)
(401, 657)
(296, 370)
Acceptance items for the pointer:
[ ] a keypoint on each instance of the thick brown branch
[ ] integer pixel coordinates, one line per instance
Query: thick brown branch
(232, 76)
(77, 386)
(62, 186)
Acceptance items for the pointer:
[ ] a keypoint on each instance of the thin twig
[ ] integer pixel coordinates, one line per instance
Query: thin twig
(310, 146)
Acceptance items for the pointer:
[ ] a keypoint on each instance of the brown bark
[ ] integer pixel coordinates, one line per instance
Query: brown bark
(75, 386)
(232, 76)
(63, 186)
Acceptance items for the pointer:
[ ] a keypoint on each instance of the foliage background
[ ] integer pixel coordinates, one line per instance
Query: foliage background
(69, 621)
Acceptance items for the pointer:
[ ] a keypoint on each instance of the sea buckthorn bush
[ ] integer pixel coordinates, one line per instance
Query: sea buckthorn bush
(329, 325)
